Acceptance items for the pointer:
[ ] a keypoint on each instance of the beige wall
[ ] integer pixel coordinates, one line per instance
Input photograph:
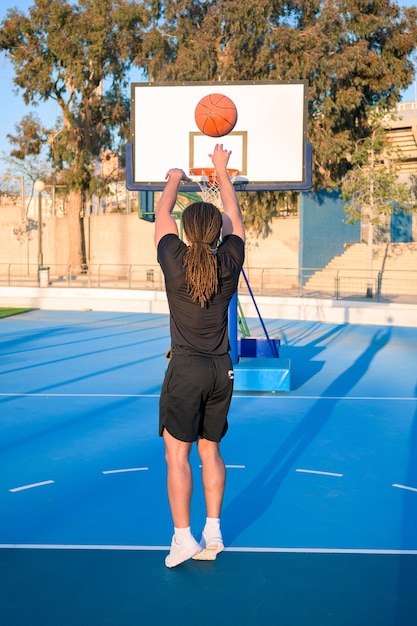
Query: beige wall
(120, 239)
(116, 239)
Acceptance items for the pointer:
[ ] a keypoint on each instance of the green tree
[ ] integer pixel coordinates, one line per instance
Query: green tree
(413, 183)
(28, 159)
(354, 54)
(259, 208)
(372, 190)
(79, 55)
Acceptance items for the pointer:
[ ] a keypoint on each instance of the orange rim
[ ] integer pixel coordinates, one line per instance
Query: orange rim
(210, 172)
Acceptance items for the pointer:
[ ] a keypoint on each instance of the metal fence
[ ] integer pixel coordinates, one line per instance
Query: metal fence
(77, 276)
(381, 286)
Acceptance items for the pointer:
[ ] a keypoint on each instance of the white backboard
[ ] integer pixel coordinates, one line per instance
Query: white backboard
(268, 142)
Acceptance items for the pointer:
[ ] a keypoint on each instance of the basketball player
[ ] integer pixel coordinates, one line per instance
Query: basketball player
(200, 280)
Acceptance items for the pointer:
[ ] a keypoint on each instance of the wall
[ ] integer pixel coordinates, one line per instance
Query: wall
(323, 228)
(310, 241)
(116, 239)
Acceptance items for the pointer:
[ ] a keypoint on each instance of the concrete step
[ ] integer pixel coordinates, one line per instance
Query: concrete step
(352, 265)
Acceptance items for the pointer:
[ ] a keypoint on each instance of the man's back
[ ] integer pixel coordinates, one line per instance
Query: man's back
(197, 329)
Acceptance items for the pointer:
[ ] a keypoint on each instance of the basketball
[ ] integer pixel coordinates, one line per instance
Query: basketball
(215, 115)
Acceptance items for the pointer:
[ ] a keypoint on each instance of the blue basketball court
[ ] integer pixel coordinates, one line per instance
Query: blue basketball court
(320, 510)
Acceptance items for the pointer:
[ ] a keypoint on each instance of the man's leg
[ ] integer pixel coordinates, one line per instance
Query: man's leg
(179, 479)
(214, 475)
(214, 480)
(180, 487)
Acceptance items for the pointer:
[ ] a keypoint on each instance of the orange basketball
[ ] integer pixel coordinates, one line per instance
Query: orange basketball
(215, 115)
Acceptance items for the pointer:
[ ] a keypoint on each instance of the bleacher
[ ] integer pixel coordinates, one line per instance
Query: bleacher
(394, 271)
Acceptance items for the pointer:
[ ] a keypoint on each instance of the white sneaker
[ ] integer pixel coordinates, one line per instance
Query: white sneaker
(209, 549)
(181, 552)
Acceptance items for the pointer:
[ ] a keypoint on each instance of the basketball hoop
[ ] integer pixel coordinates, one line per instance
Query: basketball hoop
(206, 179)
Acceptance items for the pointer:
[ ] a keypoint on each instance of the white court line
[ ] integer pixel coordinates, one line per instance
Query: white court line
(405, 487)
(323, 550)
(348, 398)
(236, 395)
(123, 471)
(306, 471)
(231, 466)
(65, 546)
(32, 486)
(79, 395)
(306, 550)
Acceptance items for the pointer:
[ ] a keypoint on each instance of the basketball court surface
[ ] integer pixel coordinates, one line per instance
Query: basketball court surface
(319, 517)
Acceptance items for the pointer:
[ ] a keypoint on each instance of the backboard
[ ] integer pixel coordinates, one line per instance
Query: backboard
(268, 143)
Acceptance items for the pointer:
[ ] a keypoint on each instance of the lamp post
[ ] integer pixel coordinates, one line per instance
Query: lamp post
(39, 186)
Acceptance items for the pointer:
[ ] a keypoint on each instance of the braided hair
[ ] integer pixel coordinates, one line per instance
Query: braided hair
(202, 222)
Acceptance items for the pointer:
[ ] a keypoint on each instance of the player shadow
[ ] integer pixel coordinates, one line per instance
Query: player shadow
(255, 499)
(306, 354)
(294, 347)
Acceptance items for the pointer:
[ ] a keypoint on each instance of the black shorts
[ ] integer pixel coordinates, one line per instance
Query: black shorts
(196, 396)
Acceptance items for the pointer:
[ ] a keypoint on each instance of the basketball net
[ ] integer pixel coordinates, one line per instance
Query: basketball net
(206, 179)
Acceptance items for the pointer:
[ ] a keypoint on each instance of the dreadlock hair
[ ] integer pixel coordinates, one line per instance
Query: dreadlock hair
(202, 222)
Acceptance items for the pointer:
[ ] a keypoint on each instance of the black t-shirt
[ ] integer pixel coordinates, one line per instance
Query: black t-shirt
(197, 329)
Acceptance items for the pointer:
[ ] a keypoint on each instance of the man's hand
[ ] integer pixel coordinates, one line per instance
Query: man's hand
(220, 157)
(177, 174)
(164, 222)
(231, 218)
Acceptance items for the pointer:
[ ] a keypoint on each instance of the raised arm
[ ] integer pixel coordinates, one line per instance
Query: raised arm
(164, 222)
(232, 216)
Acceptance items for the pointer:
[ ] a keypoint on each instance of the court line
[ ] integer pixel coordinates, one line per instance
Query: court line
(32, 486)
(306, 471)
(235, 395)
(124, 471)
(80, 395)
(404, 487)
(132, 548)
(230, 466)
(324, 550)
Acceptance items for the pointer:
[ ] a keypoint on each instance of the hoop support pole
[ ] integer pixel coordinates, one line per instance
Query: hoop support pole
(234, 353)
(271, 343)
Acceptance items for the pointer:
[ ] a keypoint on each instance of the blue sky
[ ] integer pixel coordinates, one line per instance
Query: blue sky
(12, 107)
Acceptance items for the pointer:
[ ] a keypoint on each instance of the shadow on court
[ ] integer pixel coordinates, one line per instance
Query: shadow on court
(252, 502)
(304, 349)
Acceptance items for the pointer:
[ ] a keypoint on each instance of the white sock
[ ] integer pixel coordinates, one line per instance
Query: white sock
(182, 534)
(212, 529)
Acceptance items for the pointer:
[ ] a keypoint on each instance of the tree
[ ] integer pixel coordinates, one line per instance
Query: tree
(258, 209)
(27, 158)
(77, 54)
(413, 184)
(354, 54)
(371, 190)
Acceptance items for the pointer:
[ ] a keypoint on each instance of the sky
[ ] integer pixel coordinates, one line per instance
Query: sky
(12, 107)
